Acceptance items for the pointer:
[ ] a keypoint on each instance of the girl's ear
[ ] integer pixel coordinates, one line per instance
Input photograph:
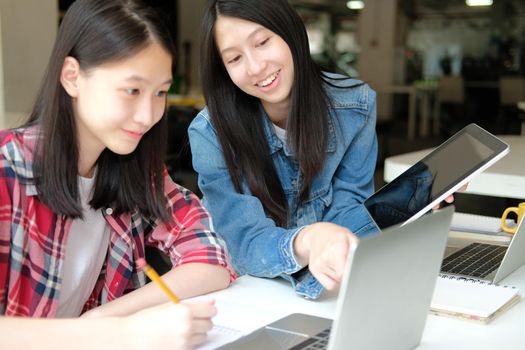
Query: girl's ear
(70, 75)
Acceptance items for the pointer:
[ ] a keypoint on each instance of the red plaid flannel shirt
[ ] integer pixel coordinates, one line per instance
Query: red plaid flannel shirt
(33, 238)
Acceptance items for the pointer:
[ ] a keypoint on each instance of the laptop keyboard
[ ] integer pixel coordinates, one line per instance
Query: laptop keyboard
(318, 341)
(476, 260)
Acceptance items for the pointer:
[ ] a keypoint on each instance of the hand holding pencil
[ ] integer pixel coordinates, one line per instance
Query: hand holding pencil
(188, 322)
(170, 326)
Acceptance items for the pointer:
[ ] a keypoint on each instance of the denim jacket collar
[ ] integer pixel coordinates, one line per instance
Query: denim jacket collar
(275, 144)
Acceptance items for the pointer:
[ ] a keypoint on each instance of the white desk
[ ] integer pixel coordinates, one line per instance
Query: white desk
(506, 178)
(252, 302)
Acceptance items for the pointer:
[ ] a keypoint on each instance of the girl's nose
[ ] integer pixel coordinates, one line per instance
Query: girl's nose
(145, 114)
(255, 65)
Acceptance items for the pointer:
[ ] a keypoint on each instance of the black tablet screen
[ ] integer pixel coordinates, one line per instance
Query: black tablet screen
(431, 177)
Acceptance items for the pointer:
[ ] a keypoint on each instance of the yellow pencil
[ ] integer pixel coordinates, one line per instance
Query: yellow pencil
(154, 276)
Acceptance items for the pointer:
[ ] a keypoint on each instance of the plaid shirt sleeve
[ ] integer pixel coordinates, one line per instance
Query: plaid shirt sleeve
(5, 233)
(190, 238)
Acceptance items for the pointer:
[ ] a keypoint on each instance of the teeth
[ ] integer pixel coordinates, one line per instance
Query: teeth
(268, 80)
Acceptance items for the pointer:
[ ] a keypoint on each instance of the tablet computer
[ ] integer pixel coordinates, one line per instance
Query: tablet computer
(442, 172)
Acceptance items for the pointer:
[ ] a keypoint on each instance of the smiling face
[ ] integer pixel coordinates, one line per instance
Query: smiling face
(116, 103)
(258, 61)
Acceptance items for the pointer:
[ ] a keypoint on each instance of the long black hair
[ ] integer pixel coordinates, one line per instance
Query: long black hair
(95, 32)
(235, 114)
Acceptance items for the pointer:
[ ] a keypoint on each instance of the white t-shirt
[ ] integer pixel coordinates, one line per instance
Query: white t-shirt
(280, 133)
(86, 248)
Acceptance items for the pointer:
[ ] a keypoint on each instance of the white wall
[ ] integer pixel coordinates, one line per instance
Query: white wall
(27, 31)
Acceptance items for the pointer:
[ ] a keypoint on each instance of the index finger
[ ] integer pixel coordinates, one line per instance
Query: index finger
(340, 256)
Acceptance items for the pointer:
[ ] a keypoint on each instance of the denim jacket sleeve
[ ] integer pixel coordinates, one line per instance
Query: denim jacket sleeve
(257, 246)
(353, 181)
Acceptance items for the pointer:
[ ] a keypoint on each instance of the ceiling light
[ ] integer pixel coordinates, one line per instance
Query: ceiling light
(355, 4)
(479, 2)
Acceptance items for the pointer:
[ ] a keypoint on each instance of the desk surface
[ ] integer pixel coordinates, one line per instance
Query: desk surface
(506, 178)
(252, 302)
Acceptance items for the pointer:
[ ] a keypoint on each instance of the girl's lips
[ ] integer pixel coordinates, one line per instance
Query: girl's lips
(272, 84)
(269, 79)
(136, 135)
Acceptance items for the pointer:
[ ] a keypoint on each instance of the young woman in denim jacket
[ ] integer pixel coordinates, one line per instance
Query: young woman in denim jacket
(285, 153)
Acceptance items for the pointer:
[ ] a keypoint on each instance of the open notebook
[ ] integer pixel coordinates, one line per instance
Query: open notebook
(471, 299)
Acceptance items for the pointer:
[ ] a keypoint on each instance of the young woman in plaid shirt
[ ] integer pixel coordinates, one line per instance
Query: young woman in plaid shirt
(83, 189)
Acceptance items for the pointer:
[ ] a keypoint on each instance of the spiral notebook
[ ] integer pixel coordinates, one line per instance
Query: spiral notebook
(478, 223)
(471, 299)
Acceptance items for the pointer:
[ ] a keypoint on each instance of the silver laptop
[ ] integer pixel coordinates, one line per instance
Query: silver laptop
(489, 262)
(384, 297)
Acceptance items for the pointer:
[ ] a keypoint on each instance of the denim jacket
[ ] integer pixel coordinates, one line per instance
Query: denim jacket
(257, 246)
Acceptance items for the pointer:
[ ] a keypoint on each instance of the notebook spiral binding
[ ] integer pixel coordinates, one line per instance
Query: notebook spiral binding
(473, 280)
